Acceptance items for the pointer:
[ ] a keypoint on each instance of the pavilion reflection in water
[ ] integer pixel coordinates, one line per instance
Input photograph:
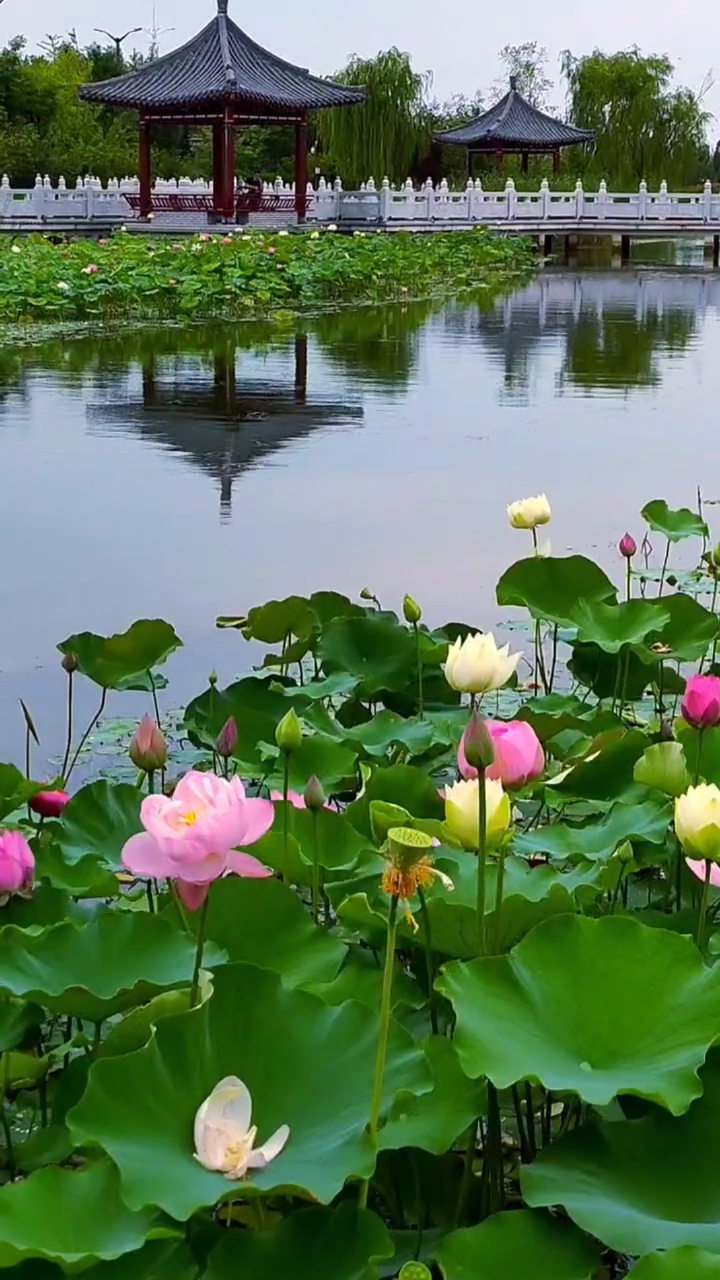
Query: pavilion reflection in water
(224, 424)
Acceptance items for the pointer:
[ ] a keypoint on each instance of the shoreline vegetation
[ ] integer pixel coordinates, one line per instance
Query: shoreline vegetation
(246, 275)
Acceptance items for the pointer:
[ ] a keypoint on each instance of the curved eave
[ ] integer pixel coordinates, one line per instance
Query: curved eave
(495, 142)
(102, 94)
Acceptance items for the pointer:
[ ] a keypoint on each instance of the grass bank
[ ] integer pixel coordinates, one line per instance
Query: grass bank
(245, 275)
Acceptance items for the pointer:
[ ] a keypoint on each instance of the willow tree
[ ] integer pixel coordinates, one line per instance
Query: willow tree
(384, 136)
(644, 127)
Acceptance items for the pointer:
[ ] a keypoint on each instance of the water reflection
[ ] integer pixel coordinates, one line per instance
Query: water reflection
(187, 473)
(615, 328)
(223, 423)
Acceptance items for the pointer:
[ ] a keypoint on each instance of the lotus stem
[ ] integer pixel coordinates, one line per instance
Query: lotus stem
(286, 788)
(530, 1119)
(466, 1184)
(68, 741)
(664, 568)
(700, 938)
(698, 762)
(202, 933)
(629, 578)
(429, 962)
(87, 733)
(421, 706)
(316, 869)
(385, 1005)
(499, 887)
(482, 861)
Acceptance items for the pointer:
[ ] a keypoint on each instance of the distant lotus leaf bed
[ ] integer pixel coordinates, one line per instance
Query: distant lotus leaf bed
(395, 957)
(244, 274)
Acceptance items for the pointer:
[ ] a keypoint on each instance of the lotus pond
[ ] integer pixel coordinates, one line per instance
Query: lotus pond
(243, 275)
(397, 956)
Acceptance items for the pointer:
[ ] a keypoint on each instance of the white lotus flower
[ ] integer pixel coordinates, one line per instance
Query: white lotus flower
(529, 512)
(476, 665)
(224, 1137)
(697, 821)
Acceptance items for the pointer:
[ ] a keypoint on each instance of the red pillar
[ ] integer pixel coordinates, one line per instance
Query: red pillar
(228, 208)
(218, 167)
(145, 168)
(301, 169)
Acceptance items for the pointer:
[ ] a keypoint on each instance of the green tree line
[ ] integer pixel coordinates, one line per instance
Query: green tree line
(645, 126)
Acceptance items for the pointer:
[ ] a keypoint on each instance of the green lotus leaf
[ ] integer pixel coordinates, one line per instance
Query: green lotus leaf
(516, 1245)
(640, 1185)
(361, 978)
(87, 877)
(339, 845)
(71, 1217)
(685, 1263)
(663, 766)
(598, 1007)
(17, 1017)
(334, 763)
(560, 711)
(676, 525)
(257, 706)
(157, 1260)
(701, 751)
(550, 586)
(98, 821)
(111, 661)
(263, 922)
(311, 1244)
(96, 969)
(387, 729)
(609, 675)
(399, 784)
(599, 839)
(136, 1027)
(376, 647)
(46, 906)
(687, 634)
(609, 773)
(306, 1065)
(610, 626)
(15, 790)
(273, 622)
(434, 1120)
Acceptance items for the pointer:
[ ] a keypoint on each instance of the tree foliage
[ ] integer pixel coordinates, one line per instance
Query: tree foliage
(384, 136)
(643, 126)
(527, 65)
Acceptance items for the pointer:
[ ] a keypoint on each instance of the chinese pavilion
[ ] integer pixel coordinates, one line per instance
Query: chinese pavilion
(514, 126)
(224, 80)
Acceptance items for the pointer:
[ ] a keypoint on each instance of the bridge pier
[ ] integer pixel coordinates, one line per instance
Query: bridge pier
(548, 244)
(711, 250)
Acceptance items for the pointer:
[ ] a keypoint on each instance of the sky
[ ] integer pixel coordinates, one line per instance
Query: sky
(458, 40)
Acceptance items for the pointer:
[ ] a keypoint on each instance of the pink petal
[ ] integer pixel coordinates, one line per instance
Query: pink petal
(698, 869)
(259, 817)
(202, 871)
(243, 864)
(193, 895)
(143, 856)
(294, 797)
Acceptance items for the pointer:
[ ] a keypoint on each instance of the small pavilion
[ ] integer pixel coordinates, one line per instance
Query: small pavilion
(223, 80)
(515, 127)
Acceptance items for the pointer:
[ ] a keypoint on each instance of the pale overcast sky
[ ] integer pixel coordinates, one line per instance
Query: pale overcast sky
(457, 39)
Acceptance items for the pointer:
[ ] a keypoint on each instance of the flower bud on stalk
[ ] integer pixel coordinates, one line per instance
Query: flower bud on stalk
(411, 611)
(70, 663)
(314, 795)
(627, 546)
(288, 734)
(148, 749)
(227, 739)
(478, 744)
(49, 804)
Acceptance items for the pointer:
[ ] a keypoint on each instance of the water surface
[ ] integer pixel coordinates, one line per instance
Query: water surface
(190, 474)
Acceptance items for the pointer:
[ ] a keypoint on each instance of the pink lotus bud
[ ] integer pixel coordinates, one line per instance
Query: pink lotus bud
(701, 704)
(49, 804)
(477, 743)
(227, 739)
(627, 546)
(148, 749)
(17, 863)
(314, 795)
(519, 757)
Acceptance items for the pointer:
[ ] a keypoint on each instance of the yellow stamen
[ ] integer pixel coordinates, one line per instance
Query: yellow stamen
(191, 818)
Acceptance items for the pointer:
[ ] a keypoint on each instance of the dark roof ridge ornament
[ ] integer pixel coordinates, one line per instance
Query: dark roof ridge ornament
(230, 77)
(513, 79)
(222, 7)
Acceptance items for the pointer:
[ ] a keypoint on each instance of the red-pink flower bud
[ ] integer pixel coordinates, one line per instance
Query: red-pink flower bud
(148, 749)
(627, 546)
(49, 804)
(314, 795)
(17, 864)
(227, 739)
(701, 704)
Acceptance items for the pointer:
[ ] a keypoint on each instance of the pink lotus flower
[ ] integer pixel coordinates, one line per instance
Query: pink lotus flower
(148, 749)
(49, 804)
(17, 865)
(192, 837)
(91, 269)
(698, 869)
(701, 704)
(519, 757)
(227, 239)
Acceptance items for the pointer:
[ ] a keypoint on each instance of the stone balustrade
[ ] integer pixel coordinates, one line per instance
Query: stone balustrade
(428, 204)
